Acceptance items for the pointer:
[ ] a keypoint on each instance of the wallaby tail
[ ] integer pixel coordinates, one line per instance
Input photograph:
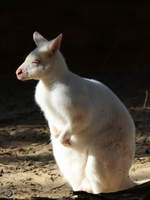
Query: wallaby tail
(141, 181)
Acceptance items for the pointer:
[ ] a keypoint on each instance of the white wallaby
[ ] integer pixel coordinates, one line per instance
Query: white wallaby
(92, 133)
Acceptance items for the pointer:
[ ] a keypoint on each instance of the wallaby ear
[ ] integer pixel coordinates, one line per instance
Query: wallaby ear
(38, 38)
(55, 44)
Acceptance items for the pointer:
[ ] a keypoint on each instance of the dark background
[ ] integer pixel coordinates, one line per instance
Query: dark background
(103, 40)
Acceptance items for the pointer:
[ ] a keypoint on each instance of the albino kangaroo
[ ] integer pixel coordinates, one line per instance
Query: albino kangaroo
(92, 133)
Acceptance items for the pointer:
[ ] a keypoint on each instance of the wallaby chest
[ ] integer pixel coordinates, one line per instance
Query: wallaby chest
(53, 103)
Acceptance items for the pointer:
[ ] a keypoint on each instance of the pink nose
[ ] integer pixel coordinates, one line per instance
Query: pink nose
(19, 71)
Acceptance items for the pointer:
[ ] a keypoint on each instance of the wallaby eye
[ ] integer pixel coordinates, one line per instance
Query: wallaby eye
(36, 62)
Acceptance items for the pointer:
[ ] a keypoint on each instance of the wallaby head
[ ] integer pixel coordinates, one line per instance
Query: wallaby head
(41, 61)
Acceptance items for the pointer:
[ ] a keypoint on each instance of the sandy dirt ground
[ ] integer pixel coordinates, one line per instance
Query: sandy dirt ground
(27, 166)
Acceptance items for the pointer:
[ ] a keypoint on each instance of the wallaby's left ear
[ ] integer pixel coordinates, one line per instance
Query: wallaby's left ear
(38, 38)
(55, 44)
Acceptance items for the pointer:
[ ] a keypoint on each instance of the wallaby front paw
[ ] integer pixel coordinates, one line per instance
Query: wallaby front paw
(57, 133)
(65, 140)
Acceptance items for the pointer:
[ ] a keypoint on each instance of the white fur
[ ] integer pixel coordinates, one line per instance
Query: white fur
(99, 128)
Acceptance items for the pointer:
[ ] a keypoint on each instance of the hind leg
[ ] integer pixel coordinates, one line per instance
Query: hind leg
(107, 169)
(85, 186)
(93, 175)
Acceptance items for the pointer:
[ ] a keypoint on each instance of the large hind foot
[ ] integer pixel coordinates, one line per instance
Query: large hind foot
(85, 187)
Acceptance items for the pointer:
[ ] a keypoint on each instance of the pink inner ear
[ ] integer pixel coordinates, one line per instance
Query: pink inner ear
(56, 44)
(54, 49)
